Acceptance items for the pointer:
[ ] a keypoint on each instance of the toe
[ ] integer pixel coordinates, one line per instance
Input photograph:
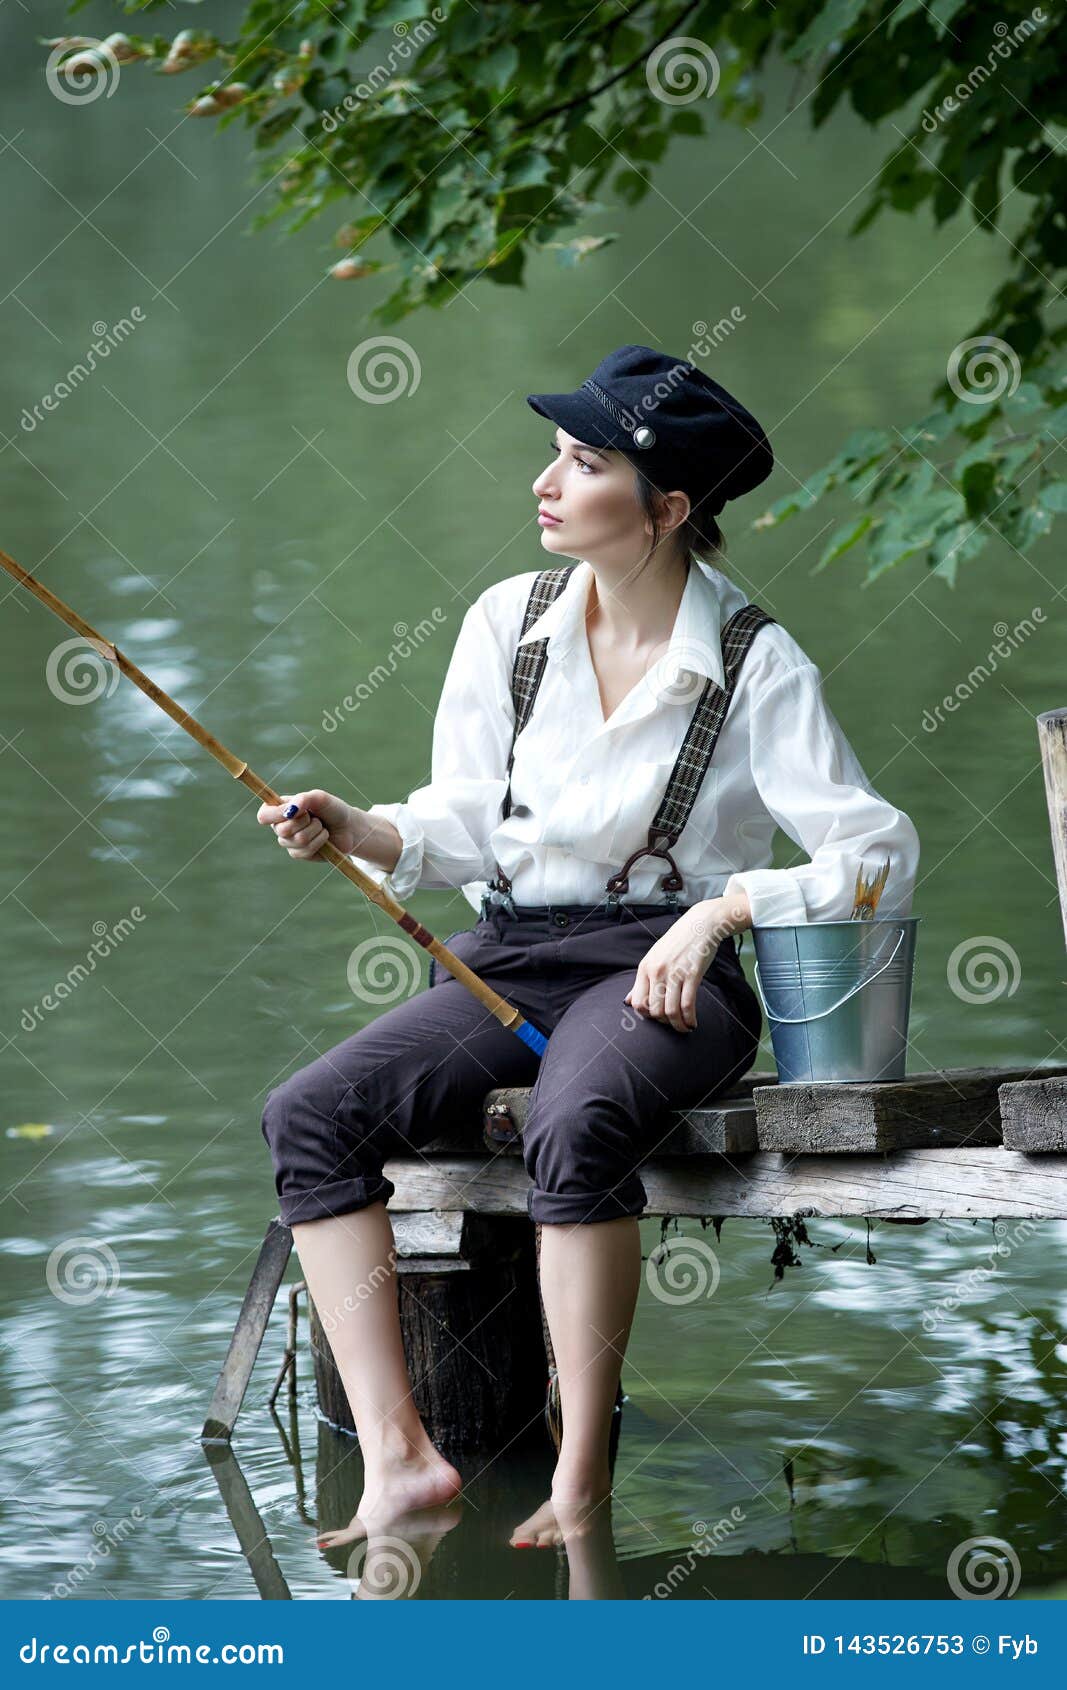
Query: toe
(348, 1534)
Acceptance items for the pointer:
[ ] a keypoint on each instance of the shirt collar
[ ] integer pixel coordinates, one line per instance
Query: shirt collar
(694, 646)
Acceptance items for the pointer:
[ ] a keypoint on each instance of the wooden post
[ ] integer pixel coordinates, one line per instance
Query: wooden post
(1052, 737)
(472, 1337)
(248, 1334)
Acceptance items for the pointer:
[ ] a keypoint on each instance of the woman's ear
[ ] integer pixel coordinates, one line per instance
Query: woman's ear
(674, 509)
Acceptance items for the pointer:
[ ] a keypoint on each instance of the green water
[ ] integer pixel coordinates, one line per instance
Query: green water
(217, 501)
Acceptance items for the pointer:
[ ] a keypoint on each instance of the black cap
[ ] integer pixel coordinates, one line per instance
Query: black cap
(679, 427)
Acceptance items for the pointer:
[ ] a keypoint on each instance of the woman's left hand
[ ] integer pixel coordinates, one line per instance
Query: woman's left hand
(669, 974)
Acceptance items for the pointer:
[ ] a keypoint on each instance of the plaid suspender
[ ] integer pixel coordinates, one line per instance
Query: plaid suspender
(697, 748)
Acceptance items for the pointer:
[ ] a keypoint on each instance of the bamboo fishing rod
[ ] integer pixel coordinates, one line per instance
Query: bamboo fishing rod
(505, 1012)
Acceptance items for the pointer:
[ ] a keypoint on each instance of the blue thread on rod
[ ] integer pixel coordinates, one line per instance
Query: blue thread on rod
(530, 1036)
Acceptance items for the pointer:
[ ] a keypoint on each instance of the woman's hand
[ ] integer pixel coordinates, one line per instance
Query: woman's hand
(669, 974)
(321, 817)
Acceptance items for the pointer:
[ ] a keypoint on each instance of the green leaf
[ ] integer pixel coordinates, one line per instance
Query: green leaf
(832, 21)
(528, 167)
(631, 186)
(496, 69)
(574, 252)
(1054, 496)
(843, 539)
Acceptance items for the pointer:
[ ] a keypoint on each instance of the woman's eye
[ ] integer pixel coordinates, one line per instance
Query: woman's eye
(557, 451)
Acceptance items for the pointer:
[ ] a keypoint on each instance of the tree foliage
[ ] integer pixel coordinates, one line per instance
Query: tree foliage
(453, 138)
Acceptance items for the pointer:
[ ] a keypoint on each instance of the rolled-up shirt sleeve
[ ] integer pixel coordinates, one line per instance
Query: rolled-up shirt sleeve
(445, 825)
(811, 783)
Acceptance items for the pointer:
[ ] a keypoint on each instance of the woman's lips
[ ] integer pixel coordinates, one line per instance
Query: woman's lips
(548, 521)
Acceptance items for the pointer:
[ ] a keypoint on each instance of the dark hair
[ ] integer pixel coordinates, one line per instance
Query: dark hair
(699, 533)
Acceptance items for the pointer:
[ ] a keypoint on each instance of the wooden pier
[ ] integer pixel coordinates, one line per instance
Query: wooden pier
(964, 1144)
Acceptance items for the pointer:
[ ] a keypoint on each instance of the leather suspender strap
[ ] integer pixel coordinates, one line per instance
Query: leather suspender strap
(526, 676)
(695, 753)
(694, 756)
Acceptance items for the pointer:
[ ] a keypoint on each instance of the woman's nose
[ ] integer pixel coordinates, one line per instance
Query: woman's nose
(543, 485)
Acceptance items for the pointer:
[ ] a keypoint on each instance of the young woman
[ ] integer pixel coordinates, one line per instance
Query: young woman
(616, 741)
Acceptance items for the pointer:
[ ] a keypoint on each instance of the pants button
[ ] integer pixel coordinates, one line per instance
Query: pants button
(561, 919)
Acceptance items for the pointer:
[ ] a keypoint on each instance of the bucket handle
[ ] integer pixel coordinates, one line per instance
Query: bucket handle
(795, 1020)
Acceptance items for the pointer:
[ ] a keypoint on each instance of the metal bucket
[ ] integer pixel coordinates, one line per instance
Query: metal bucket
(837, 996)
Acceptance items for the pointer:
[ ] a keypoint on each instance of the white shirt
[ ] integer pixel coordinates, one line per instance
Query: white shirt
(584, 791)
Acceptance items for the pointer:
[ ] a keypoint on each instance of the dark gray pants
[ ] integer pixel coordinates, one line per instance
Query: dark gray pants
(601, 1092)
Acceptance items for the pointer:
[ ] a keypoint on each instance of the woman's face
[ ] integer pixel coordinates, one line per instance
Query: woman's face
(591, 492)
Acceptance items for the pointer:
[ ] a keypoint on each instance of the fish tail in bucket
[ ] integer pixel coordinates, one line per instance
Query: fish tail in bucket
(837, 995)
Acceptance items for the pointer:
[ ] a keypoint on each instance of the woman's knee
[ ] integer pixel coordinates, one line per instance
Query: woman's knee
(583, 1144)
(301, 1117)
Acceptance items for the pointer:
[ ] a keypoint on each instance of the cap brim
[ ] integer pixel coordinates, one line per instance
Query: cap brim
(579, 415)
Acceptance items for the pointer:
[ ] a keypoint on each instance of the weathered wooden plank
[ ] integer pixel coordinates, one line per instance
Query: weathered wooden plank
(1034, 1113)
(952, 1106)
(248, 1333)
(435, 1233)
(956, 1182)
(727, 1126)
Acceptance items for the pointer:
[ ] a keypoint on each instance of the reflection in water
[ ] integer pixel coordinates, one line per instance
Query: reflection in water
(1004, 1428)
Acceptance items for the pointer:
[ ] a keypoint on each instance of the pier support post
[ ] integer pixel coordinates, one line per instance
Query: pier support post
(472, 1336)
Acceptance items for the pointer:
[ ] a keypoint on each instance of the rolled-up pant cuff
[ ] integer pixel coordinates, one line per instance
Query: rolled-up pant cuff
(336, 1197)
(578, 1208)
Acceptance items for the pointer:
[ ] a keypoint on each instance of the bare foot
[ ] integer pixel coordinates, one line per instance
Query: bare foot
(398, 1489)
(540, 1531)
(393, 1564)
(563, 1517)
